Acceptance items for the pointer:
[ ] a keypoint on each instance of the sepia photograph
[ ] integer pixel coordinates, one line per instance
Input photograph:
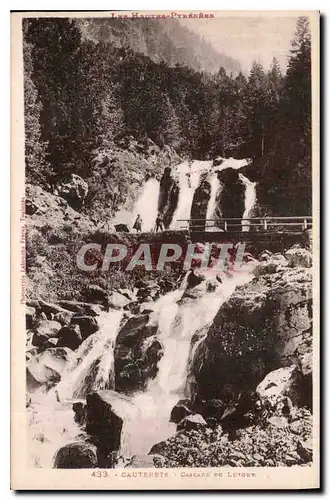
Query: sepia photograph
(166, 240)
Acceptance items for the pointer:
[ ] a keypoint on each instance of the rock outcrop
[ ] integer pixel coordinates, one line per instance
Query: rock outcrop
(137, 353)
(79, 455)
(104, 423)
(259, 329)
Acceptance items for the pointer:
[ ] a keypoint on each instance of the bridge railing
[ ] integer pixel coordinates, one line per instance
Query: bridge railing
(300, 223)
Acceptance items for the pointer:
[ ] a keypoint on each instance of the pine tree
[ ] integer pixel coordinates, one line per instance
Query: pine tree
(37, 168)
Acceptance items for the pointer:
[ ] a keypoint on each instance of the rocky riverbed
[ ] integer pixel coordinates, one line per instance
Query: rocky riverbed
(248, 380)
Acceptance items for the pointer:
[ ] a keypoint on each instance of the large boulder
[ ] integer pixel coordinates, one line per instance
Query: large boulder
(121, 228)
(299, 257)
(79, 455)
(40, 376)
(118, 300)
(256, 331)
(58, 358)
(137, 352)
(81, 308)
(192, 422)
(45, 330)
(278, 384)
(96, 295)
(45, 370)
(74, 191)
(70, 336)
(180, 411)
(87, 324)
(104, 423)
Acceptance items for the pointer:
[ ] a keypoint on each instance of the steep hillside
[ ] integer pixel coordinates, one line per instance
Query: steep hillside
(161, 40)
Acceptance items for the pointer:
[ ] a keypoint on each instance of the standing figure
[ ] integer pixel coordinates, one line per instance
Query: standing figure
(159, 222)
(138, 224)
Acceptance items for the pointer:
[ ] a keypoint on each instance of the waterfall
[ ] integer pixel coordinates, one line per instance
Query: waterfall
(147, 205)
(146, 414)
(212, 204)
(50, 422)
(189, 177)
(178, 320)
(250, 199)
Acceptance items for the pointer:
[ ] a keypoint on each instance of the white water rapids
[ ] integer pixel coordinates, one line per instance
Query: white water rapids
(146, 421)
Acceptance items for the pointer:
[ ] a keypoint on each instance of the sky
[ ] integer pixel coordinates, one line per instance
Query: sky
(249, 38)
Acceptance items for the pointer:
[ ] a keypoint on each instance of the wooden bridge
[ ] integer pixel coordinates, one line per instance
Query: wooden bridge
(254, 224)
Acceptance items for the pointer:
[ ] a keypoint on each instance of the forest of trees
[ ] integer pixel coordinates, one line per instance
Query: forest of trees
(83, 96)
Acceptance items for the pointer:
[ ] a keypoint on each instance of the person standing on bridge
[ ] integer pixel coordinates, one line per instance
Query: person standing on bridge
(138, 224)
(159, 222)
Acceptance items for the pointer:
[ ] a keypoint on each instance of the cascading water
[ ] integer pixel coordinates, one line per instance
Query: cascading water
(147, 205)
(179, 320)
(250, 200)
(51, 423)
(146, 417)
(212, 204)
(189, 177)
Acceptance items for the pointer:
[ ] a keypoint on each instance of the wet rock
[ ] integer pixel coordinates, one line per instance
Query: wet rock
(127, 293)
(137, 353)
(193, 279)
(70, 336)
(45, 330)
(136, 329)
(149, 292)
(80, 413)
(59, 359)
(121, 228)
(158, 448)
(299, 257)
(134, 308)
(49, 308)
(218, 161)
(30, 316)
(192, 422)
(104, 423)
(212, 285)
(87, 324)
(96, 295)
(118, 301)
(81, 308)
(64, 317)
(180, 411)
(78, 455)
(39, 375)
(50, 343)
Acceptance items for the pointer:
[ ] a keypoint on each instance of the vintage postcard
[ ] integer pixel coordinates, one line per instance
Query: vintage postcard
(165, 250)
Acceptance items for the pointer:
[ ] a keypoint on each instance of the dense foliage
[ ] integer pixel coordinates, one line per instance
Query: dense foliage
(86, 96)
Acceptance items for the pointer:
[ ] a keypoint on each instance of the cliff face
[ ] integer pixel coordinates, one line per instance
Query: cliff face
(265, 325)
(161, 40)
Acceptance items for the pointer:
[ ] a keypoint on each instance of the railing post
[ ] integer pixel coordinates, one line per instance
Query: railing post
(225, 225)
(305, 223)
(265, 224)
